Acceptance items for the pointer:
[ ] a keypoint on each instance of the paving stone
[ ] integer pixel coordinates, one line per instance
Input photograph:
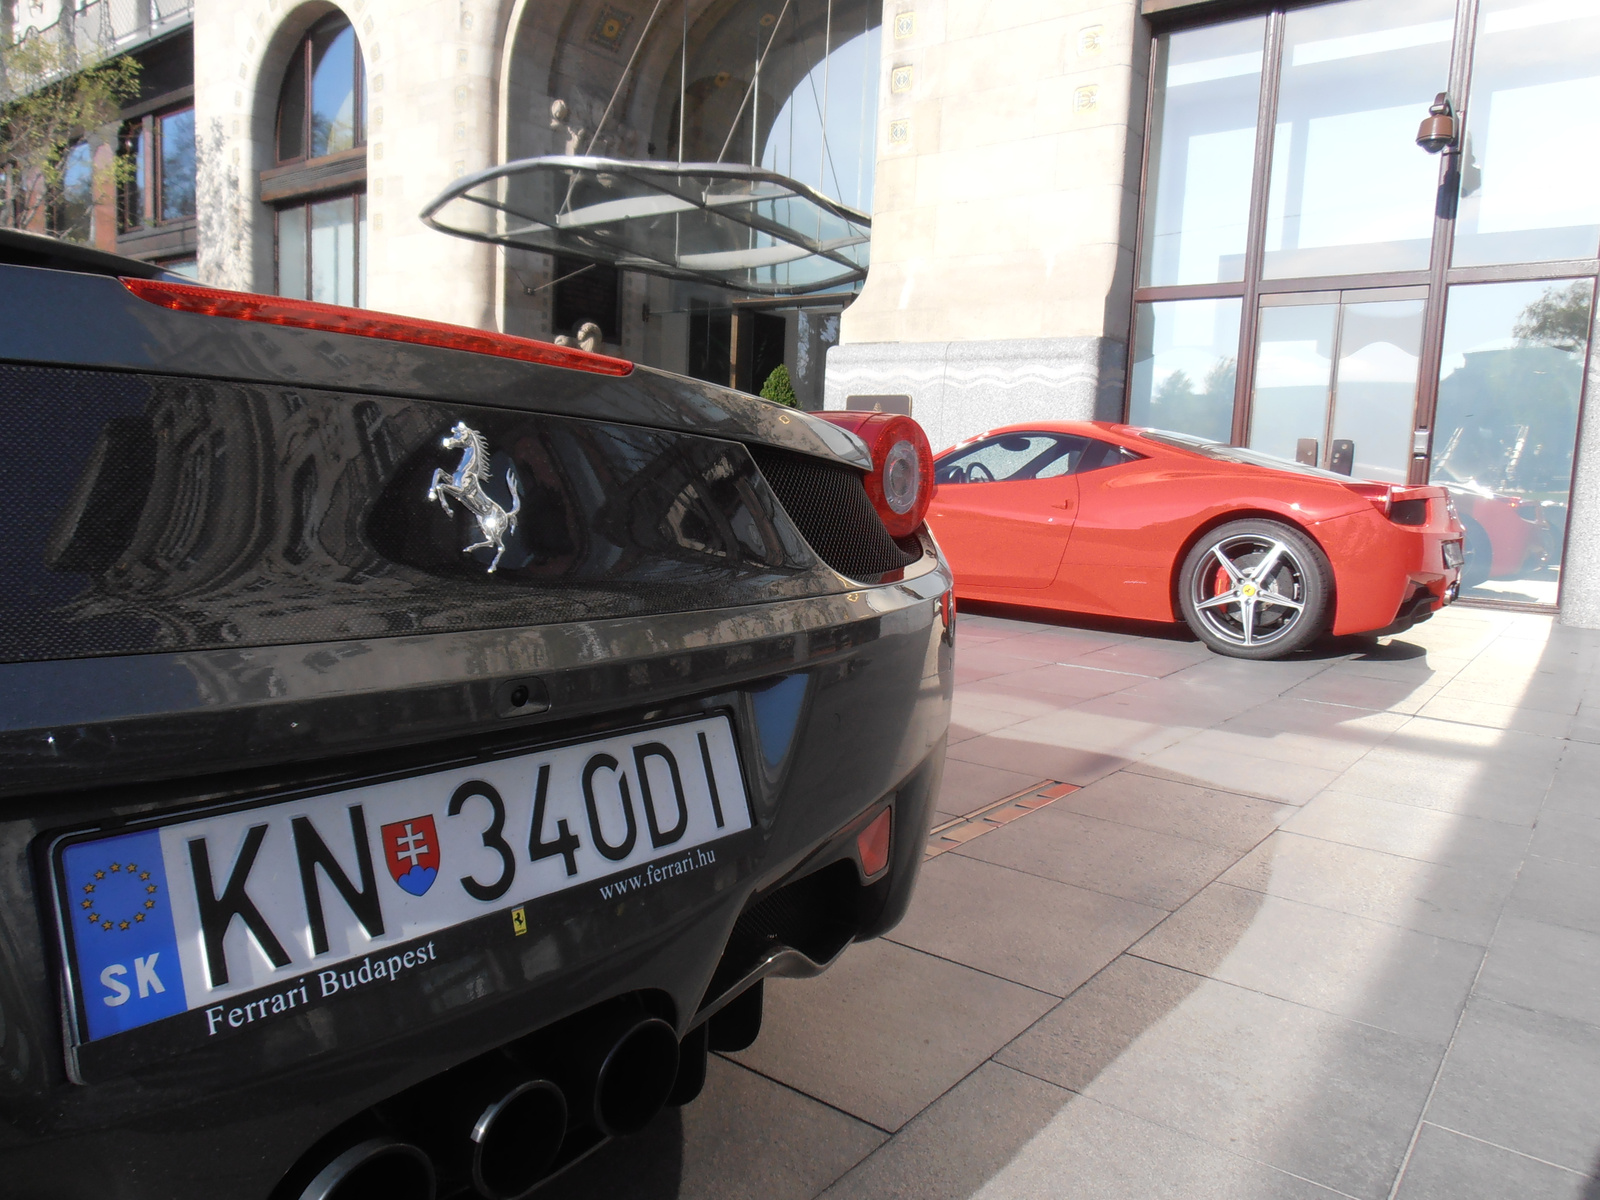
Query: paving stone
(1450, 779)
(887, 1030)
(1250, 744)
(1059, 643)
(1010, 751)
(1558, 893)
(1447, 1166)
(1525, 1080)
(1450, 902)
(1146, 656)
(1575, 783)
(1064, 683)
(1093, 1027)
(1560, 694)
(1544, 967)
(968, 786)
(1129, 739)
(1322, 1097)
(1136, 864)
(1411, 832)
(985, 695)
(1208, 766)
(958, 1144)
(1567, 836)
(1397, 979)
(1093, 1150)
(1047, 935)
(1165, 703)
(1210, 815)
(745, 1136)
(1365, 691)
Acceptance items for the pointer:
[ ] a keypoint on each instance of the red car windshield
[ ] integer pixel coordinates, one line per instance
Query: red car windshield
(1223, 452)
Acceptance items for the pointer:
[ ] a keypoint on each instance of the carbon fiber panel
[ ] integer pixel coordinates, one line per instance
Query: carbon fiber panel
(149, 513)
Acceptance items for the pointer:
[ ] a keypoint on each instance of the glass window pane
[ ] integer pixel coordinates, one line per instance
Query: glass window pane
(1375, 391)
(333, 89)
(1184, 364)
(1350, 190)
(333, 251)
(72, 215)
(1202, 147)
(1530, 182)
(177, 165)
(131, 181)
(292, 108)
(292, 253)
(1294, 374)
(1013, 456)
(1509, 388)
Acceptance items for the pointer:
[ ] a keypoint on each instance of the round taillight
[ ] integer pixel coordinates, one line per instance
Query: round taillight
(900, 484)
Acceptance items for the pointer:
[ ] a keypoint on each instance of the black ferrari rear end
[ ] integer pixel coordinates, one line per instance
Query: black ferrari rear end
(416, 745)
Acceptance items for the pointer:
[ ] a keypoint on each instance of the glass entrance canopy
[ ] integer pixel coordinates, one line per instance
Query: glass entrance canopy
(727, 224)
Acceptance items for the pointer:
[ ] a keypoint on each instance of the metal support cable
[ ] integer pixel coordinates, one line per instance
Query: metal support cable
(738, 116)
(644, 35)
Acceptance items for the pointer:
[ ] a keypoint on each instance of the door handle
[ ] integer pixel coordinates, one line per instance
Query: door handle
(1066, 504)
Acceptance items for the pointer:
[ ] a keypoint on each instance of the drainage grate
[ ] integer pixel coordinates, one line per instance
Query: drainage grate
(962, 830)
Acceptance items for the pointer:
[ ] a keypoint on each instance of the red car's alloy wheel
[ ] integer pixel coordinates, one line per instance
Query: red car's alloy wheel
(1255, 589)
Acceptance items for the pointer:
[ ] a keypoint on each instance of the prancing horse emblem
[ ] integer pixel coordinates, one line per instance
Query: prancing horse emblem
(495, 524)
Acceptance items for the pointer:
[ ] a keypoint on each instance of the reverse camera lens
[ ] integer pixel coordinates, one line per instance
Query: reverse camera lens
(519, 696)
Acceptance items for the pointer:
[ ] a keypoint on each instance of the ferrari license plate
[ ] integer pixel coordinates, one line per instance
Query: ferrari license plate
(1453, 556)
(312, 897)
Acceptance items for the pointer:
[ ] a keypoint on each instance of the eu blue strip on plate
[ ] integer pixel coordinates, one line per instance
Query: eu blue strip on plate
(121, 914)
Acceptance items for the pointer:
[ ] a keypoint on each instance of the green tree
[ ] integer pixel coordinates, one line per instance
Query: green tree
(779, 389)
(51, 101)
(1559, 318)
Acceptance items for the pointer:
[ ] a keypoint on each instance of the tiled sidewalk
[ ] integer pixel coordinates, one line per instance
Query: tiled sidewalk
(1328, 927)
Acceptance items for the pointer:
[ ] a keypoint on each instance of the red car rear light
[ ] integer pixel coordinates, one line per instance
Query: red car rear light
(331, 318)
(872, 843)
(900, 484)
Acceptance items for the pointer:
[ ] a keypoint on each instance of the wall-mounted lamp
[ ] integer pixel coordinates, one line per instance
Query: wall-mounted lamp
(1438, 129)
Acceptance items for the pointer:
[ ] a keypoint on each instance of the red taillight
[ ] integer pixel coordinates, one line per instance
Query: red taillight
(872, 843)
(900, 484)
(331, 318)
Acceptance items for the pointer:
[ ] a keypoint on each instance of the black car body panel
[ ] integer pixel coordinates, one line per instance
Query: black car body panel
(281, 651)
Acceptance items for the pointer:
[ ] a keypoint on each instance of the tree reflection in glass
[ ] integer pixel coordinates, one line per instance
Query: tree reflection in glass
(1184, 364)
(1505, 426)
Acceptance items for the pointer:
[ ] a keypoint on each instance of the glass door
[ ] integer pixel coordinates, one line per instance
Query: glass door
(1336, 379)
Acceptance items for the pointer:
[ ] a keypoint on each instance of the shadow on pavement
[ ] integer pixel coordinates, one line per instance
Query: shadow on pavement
(646, 1166)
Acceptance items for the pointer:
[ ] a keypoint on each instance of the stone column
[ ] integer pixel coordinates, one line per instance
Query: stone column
(1009, 145)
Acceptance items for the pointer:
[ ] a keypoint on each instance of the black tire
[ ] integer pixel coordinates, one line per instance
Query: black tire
(1298, 581)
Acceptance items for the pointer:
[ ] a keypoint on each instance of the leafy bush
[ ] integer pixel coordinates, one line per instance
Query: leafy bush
(779, 389)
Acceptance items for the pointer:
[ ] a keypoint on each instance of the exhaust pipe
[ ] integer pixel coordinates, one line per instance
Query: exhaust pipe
(490, 1123)
(378, 1166)
(616, 1066)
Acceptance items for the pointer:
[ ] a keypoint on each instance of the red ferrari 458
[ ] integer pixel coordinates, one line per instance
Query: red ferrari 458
(1257, 555)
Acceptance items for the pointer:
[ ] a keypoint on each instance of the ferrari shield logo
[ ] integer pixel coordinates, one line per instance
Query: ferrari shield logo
(411, 849)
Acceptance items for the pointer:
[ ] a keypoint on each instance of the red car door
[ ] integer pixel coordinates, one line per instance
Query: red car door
(1003, 509)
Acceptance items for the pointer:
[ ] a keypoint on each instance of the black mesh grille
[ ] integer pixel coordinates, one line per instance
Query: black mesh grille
(1409, 512)
(816, 915)
(828, 504)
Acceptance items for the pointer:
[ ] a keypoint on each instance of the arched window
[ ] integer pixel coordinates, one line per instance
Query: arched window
(319, 185)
